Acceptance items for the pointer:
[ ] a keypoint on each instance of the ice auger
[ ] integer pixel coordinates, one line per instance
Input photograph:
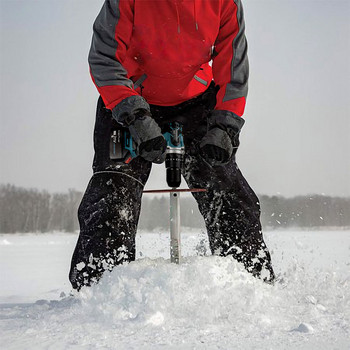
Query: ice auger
(123, 148)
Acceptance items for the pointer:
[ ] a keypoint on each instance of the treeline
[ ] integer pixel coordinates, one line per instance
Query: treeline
(30, 210)
(305, 211)
(276, 212)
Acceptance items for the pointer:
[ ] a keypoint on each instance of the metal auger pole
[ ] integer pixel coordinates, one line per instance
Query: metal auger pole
(175, 237)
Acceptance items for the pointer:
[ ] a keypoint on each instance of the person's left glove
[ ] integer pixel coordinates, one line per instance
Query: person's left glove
(146, 133)
(222, 137)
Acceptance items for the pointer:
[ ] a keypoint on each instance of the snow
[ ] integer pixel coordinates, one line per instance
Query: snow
(207, 302)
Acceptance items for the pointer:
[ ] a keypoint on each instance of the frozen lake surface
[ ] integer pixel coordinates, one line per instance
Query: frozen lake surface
(205, 303)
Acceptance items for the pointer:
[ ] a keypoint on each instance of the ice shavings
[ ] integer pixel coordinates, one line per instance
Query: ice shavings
(205, 303)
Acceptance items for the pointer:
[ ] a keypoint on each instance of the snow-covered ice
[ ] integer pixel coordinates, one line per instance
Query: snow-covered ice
(205, 303)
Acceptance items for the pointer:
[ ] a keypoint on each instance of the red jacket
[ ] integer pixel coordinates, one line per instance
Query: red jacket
(161, 49)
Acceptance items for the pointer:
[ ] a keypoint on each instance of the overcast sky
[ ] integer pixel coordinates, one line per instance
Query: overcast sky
(296, 139)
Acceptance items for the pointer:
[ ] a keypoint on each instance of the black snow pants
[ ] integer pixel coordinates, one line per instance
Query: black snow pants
(109, 211)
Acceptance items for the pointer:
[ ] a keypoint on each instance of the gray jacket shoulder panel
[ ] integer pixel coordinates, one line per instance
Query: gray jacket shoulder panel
(238, 87)
(104, 66)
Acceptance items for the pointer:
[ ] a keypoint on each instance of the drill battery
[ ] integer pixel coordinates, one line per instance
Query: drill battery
(121, 145)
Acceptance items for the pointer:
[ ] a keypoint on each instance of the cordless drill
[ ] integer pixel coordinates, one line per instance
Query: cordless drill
(123, 149)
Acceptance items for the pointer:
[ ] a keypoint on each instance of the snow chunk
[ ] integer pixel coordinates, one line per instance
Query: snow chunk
(5, 242)
(304, 328)
(157, 319)
(80, 266)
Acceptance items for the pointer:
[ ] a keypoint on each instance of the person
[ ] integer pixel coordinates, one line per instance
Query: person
(153, 63)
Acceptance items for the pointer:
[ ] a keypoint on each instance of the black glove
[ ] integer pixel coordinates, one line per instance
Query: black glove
(150, 143)
(222, 138)
(216, 147)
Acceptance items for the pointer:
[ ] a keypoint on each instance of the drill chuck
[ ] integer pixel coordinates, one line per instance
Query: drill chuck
(175, 152)
(174, 162)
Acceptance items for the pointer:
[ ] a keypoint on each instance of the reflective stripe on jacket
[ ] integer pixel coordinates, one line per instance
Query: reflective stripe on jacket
(161, 49)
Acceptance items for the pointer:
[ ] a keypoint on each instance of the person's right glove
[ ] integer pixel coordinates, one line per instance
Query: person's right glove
(150, 143)
(222, 137)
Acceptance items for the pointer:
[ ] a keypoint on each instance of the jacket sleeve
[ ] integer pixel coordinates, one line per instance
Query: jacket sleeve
(230, 61)
(111, 36)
